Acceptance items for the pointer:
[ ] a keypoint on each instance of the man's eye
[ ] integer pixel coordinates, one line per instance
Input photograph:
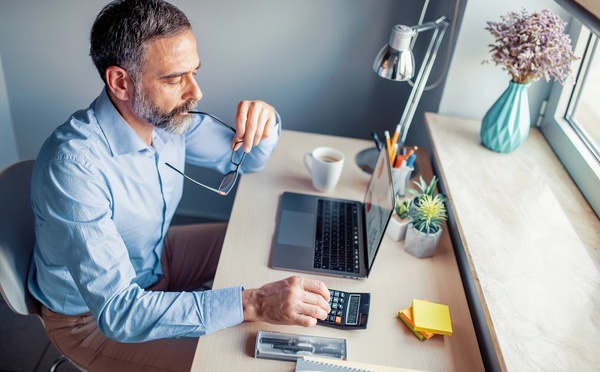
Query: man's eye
(174, 81)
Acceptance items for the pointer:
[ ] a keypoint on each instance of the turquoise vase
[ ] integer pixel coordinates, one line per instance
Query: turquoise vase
(506, 124)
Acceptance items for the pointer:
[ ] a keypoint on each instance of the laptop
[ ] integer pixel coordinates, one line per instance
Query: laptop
(307, 241)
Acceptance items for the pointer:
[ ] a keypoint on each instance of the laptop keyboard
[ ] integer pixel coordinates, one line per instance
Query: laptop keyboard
(336, 243)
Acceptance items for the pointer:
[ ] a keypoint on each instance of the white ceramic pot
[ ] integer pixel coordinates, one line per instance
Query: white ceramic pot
(396, 228)
(419, 244)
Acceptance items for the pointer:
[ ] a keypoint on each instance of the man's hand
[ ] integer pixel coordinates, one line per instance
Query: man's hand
(254, 121)
(292, 301)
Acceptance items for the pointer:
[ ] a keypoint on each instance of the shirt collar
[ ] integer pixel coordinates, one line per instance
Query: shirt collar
(121, 137)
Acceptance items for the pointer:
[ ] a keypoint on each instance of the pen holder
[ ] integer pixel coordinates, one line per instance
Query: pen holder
(400, 178)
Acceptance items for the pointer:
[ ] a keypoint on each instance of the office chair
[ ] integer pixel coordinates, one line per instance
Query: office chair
(17, 239)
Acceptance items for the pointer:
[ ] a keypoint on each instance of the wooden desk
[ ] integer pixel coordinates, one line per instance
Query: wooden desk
(396, 279)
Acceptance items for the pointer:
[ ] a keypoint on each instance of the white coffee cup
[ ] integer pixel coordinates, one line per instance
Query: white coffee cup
(325, 167)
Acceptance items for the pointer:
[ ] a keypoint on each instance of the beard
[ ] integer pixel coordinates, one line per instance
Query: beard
(172, 122)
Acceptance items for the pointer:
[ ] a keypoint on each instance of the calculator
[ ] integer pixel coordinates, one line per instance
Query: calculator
(348, 310)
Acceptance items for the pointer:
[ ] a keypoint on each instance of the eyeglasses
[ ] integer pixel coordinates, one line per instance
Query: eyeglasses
(237, 157)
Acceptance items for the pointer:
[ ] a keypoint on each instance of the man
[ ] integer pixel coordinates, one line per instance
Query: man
(117, 284)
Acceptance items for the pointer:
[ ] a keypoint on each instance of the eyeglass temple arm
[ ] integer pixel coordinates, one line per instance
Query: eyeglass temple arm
(214, 117)
(196, 182)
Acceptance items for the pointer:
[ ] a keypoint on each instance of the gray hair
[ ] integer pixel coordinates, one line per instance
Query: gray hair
(123, 28)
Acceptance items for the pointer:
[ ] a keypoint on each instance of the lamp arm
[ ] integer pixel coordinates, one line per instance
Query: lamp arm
(439, 26)
(443, 21)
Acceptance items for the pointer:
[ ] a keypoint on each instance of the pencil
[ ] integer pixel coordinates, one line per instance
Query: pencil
(393, 154)
(388, 142)
(411, 151)
(396, 134)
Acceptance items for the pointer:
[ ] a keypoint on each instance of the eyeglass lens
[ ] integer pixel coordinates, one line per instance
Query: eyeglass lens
(237, 157)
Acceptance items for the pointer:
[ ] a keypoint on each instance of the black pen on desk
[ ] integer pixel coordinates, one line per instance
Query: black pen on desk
(277, 341)
(377, 140)
(295, 348)
(308, 349)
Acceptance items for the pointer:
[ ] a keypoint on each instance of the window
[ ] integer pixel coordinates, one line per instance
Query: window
(584, 112)
(572, 120)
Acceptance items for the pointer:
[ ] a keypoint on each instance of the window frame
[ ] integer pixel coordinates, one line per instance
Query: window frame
(580, 162)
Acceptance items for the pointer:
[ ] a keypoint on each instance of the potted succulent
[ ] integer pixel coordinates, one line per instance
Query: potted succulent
(423, 187)
(427, 214)
(400, 218)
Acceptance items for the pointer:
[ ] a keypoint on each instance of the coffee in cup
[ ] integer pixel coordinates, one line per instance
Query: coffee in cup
(325, 167)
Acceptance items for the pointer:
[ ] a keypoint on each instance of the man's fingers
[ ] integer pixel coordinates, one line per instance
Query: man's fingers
(316, 301)
(294, 300)
(317, 287)
(305, 321)
(254, 121)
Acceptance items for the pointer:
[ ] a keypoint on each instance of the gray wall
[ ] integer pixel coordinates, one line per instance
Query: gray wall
(8, 145)
(311, 59)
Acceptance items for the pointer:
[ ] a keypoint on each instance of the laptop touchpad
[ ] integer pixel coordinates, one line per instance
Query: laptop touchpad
(296, 228)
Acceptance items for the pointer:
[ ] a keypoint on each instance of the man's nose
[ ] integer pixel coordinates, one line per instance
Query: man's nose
(193, 91)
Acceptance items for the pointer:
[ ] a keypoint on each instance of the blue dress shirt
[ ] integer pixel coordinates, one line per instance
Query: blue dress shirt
(103, 201)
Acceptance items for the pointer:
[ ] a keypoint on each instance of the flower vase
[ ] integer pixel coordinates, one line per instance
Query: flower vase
(506, 124)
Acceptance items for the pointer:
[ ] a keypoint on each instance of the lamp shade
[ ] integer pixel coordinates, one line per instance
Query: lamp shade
(395, 61)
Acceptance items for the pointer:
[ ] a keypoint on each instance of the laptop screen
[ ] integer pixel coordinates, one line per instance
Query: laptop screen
(379, 204)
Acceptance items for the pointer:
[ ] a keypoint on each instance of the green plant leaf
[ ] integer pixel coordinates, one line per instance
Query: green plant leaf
(428, 213)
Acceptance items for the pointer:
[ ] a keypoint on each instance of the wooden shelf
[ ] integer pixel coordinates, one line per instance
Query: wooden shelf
(531, 246)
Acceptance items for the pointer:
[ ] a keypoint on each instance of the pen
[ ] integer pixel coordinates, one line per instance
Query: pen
(277, 341)
(411, 160)
(377, 140)
(308, 349)
(294, 348)
(398, 161)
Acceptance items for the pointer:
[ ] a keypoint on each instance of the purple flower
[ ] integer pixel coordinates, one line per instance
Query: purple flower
(532, 46)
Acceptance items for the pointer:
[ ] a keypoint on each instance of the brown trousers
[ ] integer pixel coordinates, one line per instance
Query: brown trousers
(189, 259)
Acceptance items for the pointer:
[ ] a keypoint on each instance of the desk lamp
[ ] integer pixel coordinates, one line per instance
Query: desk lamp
(395, 61)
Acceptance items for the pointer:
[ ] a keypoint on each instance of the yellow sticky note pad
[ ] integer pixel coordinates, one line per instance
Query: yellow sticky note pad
(406, 316)
(431, 317)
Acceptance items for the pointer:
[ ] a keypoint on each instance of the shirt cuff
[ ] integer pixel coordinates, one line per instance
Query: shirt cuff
(225, 308)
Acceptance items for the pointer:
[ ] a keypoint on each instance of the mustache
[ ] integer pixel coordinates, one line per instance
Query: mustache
(188, 106)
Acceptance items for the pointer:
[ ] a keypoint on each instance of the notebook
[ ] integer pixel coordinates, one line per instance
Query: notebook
(299, 241)
(317, 364)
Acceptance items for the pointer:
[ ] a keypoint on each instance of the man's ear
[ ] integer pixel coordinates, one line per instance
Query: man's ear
(119, 82)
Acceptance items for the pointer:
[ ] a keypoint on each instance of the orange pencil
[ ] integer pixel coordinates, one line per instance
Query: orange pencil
(411, 151)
